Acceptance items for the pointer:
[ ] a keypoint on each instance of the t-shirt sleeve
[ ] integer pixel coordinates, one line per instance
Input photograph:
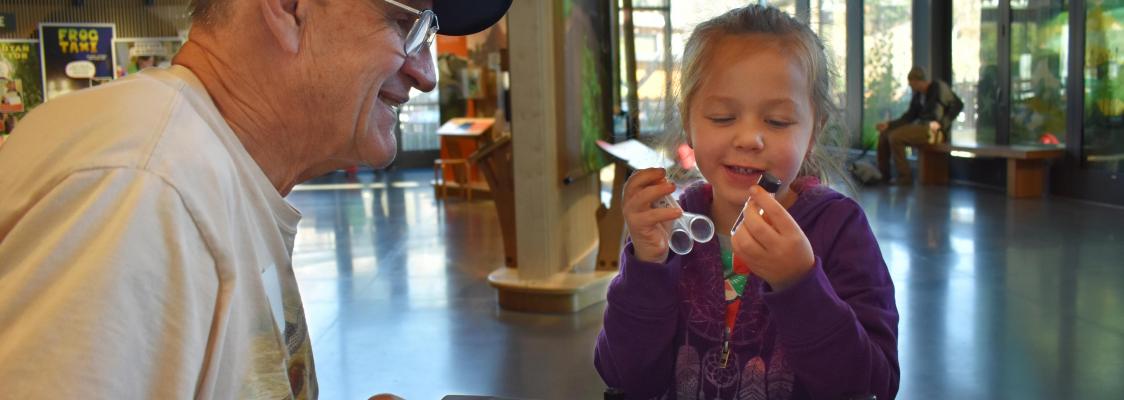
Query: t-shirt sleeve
(107, 290)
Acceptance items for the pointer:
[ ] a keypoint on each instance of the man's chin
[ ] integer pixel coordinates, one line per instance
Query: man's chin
(379, 159)
(378, 153)
(382, 164)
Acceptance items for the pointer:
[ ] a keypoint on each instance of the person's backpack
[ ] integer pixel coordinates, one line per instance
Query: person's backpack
(952, 110)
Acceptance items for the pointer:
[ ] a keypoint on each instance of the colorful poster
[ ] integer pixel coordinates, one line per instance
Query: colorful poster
(75, 56)
(588, 69)
(135, 54)
(21, 85)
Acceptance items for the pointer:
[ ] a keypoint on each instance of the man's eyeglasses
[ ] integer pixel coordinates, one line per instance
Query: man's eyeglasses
(422, 33)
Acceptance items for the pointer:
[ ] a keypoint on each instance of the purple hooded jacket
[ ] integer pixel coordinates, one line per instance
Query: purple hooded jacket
(832, 335)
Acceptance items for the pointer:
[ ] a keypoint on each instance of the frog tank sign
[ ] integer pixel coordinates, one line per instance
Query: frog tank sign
(70, 50)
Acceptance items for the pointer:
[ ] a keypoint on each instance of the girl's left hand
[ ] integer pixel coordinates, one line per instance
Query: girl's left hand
(772, 245)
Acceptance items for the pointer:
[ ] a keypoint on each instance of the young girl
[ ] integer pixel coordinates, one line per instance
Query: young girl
(798, 302)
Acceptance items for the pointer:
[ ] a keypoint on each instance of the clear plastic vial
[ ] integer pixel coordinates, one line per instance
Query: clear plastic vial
(684, 231)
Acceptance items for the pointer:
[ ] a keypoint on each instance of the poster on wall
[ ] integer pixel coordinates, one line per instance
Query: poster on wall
(135, 54)
(75, 56)
(21, 85)
(588, 79)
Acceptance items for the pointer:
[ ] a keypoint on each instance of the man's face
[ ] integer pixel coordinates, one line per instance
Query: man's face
(917, 86)
(363, 76)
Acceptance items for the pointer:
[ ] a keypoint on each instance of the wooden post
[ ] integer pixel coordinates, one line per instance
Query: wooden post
(494, 161)
(558, 238)
(933, 164)
(1025, 178)
(610, 222)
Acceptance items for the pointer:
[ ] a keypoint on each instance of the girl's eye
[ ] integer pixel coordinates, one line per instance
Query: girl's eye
(779, 123)
(721, 119)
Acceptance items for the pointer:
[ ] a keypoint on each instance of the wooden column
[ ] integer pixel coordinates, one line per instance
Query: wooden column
(556, 224)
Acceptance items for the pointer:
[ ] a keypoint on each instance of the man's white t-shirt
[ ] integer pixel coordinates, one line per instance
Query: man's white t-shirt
(144, 254)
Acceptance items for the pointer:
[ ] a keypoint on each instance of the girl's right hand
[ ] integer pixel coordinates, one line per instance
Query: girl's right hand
(646, 224)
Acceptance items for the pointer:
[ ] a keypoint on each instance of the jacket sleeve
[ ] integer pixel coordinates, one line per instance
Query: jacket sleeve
(911, 114)
(635, 350)
(839, 324)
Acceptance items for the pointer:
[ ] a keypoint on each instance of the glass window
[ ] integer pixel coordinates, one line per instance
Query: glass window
(829, 21)
(419, 120)
(1039, 47)
(1104, 85)
(887, 58)
(651, 67)
(975, 70)
(420, 117)
(788, 6)
(655, 71)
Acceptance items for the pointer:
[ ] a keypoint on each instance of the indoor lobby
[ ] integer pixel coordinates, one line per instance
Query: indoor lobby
(481, 263)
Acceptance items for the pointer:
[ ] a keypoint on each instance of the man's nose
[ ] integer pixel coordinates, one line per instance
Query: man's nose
(421, 69)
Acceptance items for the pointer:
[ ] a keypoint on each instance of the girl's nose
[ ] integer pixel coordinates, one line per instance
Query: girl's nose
(750, 139)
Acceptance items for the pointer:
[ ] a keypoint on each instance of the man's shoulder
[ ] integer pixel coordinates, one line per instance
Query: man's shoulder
(115, 125)
(145, 122)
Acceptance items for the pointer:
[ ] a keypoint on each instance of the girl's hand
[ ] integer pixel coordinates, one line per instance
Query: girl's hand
(646, 225)
(772, 245)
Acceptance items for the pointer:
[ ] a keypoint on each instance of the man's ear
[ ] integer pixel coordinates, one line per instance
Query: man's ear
(281, 19)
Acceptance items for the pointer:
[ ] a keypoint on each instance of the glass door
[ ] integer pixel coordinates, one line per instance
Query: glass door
(1103, 140)
(1039, 49)
(1012, 66)
(887, 58)
(975, 71)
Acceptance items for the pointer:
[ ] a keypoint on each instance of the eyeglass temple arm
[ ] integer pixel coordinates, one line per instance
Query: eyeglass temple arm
(411, 9)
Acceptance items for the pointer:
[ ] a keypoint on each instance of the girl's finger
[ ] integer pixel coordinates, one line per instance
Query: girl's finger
(654, 216)
(777, 215)
(642, 179)
(642, 200)
(746, 245)
(756, 226)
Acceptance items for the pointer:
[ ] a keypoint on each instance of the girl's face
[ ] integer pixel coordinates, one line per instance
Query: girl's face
(752, 113)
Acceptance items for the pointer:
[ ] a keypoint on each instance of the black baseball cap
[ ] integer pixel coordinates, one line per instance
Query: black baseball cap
(465, 17)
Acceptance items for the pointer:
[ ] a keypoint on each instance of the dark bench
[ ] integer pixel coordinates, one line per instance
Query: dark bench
(1026, 164)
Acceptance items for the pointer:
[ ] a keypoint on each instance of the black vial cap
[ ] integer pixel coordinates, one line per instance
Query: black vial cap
(770, 183)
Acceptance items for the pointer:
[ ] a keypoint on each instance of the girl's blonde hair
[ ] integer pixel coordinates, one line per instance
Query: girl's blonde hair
(798, 39)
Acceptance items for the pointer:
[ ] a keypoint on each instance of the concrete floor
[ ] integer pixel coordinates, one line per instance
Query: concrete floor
(999, 298)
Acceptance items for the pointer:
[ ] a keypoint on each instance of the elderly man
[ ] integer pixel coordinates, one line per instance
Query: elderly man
(145, 242)
(930, 113)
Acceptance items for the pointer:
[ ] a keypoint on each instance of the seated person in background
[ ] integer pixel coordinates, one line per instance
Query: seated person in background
(930, 113)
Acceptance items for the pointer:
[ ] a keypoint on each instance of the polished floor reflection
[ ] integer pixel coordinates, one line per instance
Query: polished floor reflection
(1000, 298)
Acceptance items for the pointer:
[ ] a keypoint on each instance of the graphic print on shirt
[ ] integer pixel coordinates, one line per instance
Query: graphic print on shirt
(702, 281)
(753, 381)
(781, 379)
(687, 373)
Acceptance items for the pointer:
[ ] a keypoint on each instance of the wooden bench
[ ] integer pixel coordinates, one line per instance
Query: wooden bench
(1026, 164)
